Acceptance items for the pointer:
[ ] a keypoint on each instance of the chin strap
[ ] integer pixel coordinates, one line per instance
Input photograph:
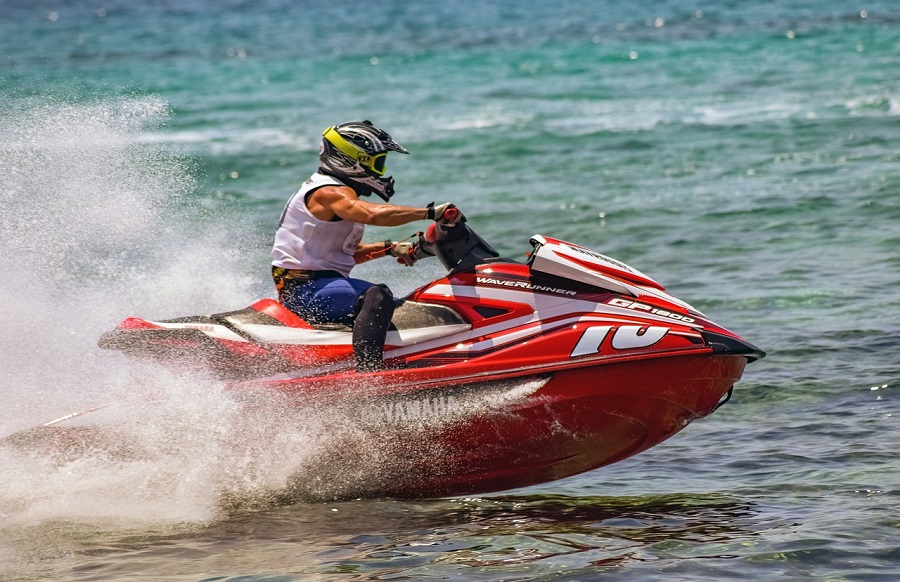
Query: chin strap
(368, 185)
(382, 187)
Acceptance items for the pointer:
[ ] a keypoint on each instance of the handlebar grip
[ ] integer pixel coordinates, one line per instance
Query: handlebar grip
(451, 214)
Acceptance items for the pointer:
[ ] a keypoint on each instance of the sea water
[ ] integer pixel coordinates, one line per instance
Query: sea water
(743, 154)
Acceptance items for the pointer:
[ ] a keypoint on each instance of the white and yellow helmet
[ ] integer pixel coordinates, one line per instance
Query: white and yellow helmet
(356, 151)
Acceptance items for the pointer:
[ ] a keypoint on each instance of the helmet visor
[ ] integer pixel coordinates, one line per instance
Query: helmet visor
(378, 163)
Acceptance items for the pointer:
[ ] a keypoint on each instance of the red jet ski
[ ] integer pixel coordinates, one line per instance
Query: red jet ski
(502, 374)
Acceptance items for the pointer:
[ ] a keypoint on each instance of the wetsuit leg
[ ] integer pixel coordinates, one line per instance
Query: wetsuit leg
(374, 310)
(325, 300)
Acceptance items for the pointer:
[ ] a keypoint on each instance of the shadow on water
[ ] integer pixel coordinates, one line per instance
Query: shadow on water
(515, 536)
(510, 532)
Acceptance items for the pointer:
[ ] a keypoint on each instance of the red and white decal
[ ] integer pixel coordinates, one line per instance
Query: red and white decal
(527, 285)
(625, 337)
(628, 304)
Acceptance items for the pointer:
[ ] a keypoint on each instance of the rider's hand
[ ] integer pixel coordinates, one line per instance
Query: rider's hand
(445, 214)
(405, 253)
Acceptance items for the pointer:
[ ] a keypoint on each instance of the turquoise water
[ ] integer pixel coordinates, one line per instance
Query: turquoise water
(742, 153)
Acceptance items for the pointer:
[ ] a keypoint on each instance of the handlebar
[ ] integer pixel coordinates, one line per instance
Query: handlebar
(451, 214)
(457, 246)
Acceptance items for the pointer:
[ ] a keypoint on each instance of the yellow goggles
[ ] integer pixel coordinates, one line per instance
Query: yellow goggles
(372, 162)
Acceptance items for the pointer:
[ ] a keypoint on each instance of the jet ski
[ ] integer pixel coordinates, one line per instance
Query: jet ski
(501, 374)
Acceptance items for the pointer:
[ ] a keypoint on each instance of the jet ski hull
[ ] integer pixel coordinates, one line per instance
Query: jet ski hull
(494, 435)
(499, 375)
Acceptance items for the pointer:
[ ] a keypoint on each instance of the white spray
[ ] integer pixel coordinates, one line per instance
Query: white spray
(98, 225)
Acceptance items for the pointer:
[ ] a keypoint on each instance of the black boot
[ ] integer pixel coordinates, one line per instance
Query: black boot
(375, 308)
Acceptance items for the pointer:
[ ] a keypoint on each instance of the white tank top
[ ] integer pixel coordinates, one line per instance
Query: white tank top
(302, 241)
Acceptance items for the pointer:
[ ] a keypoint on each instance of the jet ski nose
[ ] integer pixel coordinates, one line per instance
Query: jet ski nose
(730, 345)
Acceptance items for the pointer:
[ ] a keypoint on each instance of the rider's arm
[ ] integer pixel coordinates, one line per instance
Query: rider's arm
(368, 251)
(330, 201)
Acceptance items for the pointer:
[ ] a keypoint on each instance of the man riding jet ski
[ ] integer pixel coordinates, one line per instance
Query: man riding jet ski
(503, 373)
(318, 240)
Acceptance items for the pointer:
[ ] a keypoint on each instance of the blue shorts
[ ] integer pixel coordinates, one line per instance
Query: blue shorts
(329, 300)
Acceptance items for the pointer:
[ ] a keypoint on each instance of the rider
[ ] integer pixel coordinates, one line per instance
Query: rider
(319, 238)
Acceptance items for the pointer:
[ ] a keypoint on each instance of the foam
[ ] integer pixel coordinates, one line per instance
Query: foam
(96, 227)
(105, 228)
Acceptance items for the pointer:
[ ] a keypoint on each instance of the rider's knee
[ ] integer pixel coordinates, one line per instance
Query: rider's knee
(376, 297)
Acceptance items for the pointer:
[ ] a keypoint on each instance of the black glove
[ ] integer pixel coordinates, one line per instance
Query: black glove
(408, 253)
(446, 214)
(405, 253)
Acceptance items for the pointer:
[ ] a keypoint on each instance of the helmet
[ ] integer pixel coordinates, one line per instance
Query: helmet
(356, 151)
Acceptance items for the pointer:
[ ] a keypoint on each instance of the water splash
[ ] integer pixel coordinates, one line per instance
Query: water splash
(98, 225)
(79, 206)
(103, 226)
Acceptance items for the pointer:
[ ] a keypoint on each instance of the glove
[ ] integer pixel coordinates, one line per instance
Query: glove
(405, 253)
(445, 214)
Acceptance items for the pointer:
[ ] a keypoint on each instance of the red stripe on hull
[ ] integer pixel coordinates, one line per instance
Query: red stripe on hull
(581, 419)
